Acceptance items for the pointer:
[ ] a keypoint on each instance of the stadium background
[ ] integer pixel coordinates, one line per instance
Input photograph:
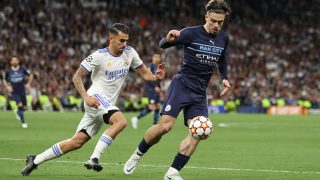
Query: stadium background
(273, 51)
(273, 60)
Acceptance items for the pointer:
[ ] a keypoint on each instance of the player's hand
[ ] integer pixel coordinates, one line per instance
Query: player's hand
(157, 89)
(91, 101)
(28, 87)
(10, 89)
(226, 87)
(172, 35)
(160, 73)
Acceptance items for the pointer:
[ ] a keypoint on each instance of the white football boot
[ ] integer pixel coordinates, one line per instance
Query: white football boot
(134, 122)
(16, 114)
(172, 174)
(132, 163)
(24, 125)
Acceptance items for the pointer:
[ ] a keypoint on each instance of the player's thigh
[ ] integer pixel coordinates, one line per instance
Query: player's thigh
(80, 137)
(89, 124)
(23, 98)
(154, 99)
(16, 98)
(176, 99)
(193, 110)
(167, 121)
(116, 117)
(152, 107)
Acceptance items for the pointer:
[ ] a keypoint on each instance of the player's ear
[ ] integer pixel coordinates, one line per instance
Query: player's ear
(205, 17)
(110, 38)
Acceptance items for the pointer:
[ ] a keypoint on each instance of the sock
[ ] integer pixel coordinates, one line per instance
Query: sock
(143, 147)
(20, 114)
(180, 161)
(51, 153)
(144, 112)
(156, 116)
(104, 142)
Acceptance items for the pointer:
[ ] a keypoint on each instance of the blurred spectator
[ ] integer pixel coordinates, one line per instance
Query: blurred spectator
(274, 50)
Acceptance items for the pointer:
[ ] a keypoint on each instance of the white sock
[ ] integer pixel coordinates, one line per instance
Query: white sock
(138, 152)
(104, 142)
(51, 153)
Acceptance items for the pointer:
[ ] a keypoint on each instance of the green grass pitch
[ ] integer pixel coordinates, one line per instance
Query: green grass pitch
(242, 147)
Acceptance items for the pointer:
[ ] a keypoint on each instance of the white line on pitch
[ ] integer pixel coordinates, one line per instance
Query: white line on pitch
(187, 167)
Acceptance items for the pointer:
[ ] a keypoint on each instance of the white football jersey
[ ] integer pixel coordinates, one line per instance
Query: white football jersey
(109, 73)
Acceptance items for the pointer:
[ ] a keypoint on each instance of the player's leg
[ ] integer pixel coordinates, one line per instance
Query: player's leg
(135, 119)
(87, 128)
(144, 112)
(156, 113)
(117, 123)
(22, 104)
(57, 150)
(172, 107)
(186, 149)
(152, 136)
(189, 144)
(18, 111)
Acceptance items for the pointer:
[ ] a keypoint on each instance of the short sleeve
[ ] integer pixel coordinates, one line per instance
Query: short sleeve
(91, 62)
(136, 61)
(26, 71)
(7, 76)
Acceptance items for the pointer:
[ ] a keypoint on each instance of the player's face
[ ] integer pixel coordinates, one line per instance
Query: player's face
(14, 62)
(156, 59)
(119, 42)
(214, 22)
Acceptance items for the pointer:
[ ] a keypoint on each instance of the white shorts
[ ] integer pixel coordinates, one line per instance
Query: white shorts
(92, 119)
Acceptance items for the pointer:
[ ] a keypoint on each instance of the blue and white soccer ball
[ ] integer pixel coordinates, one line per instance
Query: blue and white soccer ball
(200, 127)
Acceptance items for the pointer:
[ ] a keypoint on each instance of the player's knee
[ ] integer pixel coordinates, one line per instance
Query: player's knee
(121, 124)
(21, 108)
(165, 127)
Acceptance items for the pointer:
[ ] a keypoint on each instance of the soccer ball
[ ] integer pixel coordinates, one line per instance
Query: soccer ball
(200, 127)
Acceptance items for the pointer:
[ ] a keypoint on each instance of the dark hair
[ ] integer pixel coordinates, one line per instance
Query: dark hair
(218, 6)
(118, 27)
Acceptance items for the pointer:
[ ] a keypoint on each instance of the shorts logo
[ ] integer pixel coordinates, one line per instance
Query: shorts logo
(168, 108)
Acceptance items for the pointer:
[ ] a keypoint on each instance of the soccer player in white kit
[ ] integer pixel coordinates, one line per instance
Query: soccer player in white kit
(108, 68)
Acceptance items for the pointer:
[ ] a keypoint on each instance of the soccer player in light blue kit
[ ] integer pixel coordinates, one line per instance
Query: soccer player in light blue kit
(205, 47)
(152, 91)
(109, 68)
(16, 80)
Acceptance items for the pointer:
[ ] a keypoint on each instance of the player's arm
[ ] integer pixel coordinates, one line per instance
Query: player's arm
(30, 78)
(6, 83)
(223, 70)
(175, 37)
(170, 39)
(78, 83)
(147, 75)
(223, 73)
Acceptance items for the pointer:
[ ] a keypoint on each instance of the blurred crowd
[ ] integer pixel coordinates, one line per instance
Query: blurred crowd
(273, 53)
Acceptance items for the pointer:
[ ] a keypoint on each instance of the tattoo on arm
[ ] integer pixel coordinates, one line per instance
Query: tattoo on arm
(77, 81)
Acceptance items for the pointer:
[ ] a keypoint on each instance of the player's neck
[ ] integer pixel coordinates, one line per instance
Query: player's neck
(113, 52)
(15, 68)
(206, 28)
